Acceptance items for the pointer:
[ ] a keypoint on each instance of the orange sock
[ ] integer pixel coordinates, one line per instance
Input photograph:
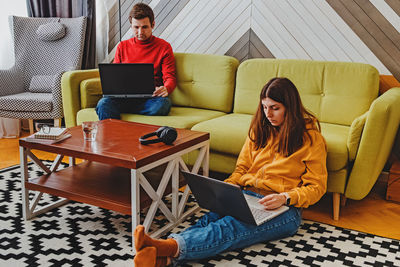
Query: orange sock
(147, 257)
(165, 247)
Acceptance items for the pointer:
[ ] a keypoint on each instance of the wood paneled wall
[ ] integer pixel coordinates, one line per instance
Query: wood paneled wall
(335, 30)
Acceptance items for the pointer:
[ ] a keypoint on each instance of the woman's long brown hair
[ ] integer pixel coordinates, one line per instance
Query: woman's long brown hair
(291, 131)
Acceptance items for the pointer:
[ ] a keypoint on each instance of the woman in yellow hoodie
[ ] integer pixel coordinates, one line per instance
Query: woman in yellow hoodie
(283, 162)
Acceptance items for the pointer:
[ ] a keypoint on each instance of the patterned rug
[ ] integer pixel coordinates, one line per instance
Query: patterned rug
(77, 234)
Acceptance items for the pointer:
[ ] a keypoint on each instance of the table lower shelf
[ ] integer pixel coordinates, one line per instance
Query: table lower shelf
(93, 183)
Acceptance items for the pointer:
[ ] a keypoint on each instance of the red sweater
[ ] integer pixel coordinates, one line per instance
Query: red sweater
(154, 50)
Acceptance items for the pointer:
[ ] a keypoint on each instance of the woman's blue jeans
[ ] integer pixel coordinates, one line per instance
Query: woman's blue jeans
(213, 234)
(111, 108)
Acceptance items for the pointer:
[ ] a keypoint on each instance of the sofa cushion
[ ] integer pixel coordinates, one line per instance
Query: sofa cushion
(27, 102)
(179, 117)
(328, 89)
(204, 81)
(237, 126)
(227, 133)
(336, 140)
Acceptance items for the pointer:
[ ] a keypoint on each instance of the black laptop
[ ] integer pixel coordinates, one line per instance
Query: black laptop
(228, 199)
(126, 80)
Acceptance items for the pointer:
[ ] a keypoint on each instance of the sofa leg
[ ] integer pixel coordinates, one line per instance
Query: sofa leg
(336, 206)
(343, 201)
(31, 129)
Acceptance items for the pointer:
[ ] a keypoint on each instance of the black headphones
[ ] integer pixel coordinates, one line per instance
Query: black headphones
(165, 134)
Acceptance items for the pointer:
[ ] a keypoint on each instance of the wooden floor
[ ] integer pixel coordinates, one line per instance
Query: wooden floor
(373, 214)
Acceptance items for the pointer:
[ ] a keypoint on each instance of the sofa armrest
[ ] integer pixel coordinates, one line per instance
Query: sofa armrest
(70, 89)
(376, 143)
(11, 82)
(91, 92)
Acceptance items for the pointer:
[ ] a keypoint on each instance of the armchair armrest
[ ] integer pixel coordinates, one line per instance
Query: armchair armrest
(70, 90)
(376, 143)
(11, 82)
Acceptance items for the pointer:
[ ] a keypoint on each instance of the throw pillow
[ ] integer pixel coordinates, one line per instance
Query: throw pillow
(353, 140)
(51, 31)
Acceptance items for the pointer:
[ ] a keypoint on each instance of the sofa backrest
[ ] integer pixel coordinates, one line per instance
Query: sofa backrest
(336, 92)
(205, 81)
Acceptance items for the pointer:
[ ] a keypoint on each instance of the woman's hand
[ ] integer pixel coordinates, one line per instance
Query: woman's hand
(273, 201)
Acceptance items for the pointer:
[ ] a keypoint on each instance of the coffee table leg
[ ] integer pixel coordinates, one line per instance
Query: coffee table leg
(72, 161)
(175, 189)
(29, 211)
(177, 214)
(24, 177)
(135, 199)
(206, 160)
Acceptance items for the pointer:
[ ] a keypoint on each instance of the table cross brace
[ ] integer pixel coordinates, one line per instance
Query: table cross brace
(29, 211)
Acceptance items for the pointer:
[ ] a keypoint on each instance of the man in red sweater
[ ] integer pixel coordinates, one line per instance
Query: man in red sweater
(143, 48)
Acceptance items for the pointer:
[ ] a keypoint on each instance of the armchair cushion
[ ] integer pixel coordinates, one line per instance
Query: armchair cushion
(43, 83)
(52, 31)
(27, 101)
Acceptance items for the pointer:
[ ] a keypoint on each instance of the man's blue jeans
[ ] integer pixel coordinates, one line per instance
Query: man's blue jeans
(213, 234)
(111, 108)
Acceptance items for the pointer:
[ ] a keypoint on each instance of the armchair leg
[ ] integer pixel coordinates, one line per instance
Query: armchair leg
(57, 122)
(31, 129)
(336, 206)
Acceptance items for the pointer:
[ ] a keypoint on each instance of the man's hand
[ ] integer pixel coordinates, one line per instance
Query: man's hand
(273, 201)
(161, 91)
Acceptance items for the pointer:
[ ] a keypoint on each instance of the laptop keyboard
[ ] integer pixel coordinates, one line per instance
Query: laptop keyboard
(253, 201)
(260, 215)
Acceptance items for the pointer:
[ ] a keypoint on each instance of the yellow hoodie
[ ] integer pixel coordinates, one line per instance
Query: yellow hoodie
(302, 175)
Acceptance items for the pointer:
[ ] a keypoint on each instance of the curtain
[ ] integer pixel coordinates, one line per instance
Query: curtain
(9, 128)
(71, 9)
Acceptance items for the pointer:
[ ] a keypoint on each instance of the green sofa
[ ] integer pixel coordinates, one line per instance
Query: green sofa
(217, 95)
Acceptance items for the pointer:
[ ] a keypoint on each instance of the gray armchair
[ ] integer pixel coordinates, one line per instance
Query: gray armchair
(44, 49)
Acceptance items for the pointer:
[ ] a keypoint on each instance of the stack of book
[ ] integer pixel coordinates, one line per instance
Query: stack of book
(53, 135)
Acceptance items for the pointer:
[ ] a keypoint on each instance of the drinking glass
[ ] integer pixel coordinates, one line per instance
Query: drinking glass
(42, 127)
(89, 129)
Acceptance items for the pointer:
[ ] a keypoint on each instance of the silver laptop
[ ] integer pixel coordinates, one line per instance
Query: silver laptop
(228, 199)
(127, 80)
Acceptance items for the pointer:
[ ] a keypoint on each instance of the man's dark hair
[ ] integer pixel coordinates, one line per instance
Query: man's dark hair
(141, 11)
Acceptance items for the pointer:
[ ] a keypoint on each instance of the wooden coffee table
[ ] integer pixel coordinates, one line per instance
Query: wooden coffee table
(114, 171)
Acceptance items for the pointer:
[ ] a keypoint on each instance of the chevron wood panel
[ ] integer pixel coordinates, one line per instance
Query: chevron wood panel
(394, 4)
(113, 32)
(249, 46)
(167, 14)
(365, 31)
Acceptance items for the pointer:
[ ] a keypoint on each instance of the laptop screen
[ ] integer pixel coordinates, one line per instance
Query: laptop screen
(127, 79)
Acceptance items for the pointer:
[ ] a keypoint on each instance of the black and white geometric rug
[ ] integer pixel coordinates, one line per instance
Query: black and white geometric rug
(78, 234)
